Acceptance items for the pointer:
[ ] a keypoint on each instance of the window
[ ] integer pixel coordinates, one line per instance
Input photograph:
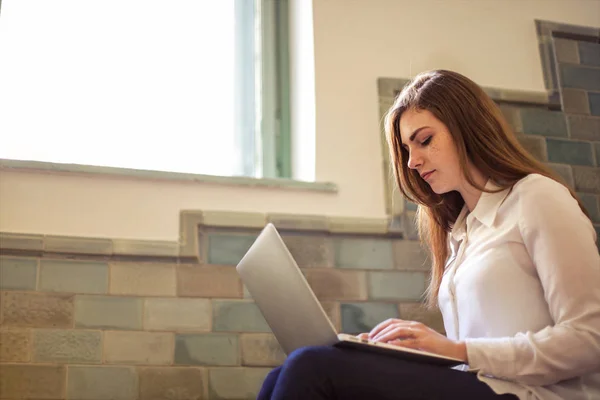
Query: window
(196, 86)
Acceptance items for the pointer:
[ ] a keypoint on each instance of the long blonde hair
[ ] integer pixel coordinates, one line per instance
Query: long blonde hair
(481, 135)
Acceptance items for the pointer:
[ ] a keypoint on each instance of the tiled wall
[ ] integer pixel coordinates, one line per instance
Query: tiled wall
(103, 319)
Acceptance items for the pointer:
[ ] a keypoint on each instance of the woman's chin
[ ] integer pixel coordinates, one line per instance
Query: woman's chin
(439, 189)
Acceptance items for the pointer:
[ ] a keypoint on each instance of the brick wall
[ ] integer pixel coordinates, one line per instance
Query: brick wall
(110, 319)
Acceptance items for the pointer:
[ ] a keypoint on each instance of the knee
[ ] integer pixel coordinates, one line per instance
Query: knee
(309, 358)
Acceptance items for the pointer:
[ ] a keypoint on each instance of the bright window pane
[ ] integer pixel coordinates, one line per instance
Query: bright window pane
(126, 83)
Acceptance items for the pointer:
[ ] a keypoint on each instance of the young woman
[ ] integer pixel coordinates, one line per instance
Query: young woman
(516, 270)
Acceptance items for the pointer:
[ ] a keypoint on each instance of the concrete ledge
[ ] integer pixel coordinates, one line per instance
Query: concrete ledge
(190, 247)
(287, 184)
(389, 87)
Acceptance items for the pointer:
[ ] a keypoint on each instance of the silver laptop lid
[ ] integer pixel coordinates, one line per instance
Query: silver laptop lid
(283, 295)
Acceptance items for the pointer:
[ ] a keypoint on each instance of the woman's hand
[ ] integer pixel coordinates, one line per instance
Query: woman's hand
(416, 335)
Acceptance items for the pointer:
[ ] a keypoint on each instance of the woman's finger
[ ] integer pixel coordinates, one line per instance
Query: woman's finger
(381, 326)
(386, 331)
(399, 332)
(391, 327)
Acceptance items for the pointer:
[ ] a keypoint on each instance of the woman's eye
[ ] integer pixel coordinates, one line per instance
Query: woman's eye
(426, 141)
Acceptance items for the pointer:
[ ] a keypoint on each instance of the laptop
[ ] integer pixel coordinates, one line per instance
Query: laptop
(292, 310)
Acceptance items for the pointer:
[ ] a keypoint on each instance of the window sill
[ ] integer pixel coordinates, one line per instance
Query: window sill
(40, 166)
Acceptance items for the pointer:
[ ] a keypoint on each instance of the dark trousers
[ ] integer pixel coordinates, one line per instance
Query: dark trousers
(315, 373)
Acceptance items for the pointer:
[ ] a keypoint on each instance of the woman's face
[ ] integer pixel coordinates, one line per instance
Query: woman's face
(431, 149)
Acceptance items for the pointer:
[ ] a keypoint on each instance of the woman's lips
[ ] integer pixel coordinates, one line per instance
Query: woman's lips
(427, 175)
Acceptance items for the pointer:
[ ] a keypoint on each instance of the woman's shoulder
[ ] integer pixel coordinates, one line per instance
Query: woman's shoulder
(538, 198)
(539, 186)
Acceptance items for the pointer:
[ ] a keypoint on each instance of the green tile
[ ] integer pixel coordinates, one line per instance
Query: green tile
(238, 316)
(397, 285)
(226, 249)
(595, 105)
(358, 253)
(108, 312)
(573, 76)
(73, 276)
(584, 127)
(569, 152)
(543, 122)
(18, 273)
(207, 349)
(362, 317)
(589, 53)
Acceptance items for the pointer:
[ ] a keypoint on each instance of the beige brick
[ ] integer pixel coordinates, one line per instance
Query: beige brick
(177, 314)
(575, 101)
(332, 309)
(208, 281)
(32, 382)
(67, 346)
(535, 145)
(310, 250)
(173, 383)
(419, 312)
(138, 347)
(15, 345)
(247, 382)
(335, 284)
(40, 310)
(587, 179)
(102, 383)
(261, 350)
(143, 279)
(566, 50)
(409, 255)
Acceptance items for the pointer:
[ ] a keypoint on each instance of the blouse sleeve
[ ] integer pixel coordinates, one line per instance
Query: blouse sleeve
(561, 242)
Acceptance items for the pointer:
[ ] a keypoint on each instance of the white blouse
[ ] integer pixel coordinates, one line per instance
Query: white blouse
(522, 289)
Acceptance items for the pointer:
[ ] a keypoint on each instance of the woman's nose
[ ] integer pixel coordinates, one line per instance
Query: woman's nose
(414, 160)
